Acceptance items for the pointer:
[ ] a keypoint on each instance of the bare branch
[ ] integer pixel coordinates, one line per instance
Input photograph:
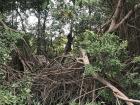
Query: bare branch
(125, 99)
(129, 14)
(103, 81)
(129, 25)
(90, 92)
(115, 26)
(116, 15)
(118, 10)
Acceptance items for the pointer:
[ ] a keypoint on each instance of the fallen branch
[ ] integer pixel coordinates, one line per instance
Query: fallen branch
(129, 100)
(113, 88)
(103, 81)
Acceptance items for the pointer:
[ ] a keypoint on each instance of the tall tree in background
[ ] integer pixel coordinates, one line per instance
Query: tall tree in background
(98, 26)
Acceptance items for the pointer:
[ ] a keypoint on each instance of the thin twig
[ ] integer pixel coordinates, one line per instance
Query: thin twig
(90, 92)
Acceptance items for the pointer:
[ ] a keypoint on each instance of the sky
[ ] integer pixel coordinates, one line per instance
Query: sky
(31, 20)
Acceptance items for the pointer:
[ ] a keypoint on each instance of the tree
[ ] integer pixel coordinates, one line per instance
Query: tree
(107, 30)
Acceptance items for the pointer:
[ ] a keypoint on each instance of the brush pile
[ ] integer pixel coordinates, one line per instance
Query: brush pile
(52, 83)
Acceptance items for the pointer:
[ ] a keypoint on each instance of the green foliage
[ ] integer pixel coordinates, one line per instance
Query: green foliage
(132, 83)
(93, 103)
(87, 103)
(136, 59)
(89, 69)
(105, 51)
(18, 93)
(45, 4)
(59, 44)
(7, 40)
(87, 2)
(106, 95)
(6, 97)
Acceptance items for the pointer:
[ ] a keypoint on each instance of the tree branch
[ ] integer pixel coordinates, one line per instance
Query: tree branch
(103, 81)
(129, 25)
(129, 14)
(116, 15)
(125, 99)
(115, 26)
(8, 28)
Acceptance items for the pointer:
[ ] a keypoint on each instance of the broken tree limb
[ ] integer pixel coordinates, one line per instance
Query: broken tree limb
(103, 81)
(129, 100)
(113, 88)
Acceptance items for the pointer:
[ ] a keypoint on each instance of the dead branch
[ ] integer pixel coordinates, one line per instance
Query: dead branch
(125, 99)
(90, 92)
(113, 88)
(103, 81)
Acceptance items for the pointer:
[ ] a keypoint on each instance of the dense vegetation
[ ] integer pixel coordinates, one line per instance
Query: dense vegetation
(69, 52)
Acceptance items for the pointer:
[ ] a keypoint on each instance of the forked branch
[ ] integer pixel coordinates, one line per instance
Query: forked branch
(114, 22)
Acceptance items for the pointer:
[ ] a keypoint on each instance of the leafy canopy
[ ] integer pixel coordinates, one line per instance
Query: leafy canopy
(106, 52)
